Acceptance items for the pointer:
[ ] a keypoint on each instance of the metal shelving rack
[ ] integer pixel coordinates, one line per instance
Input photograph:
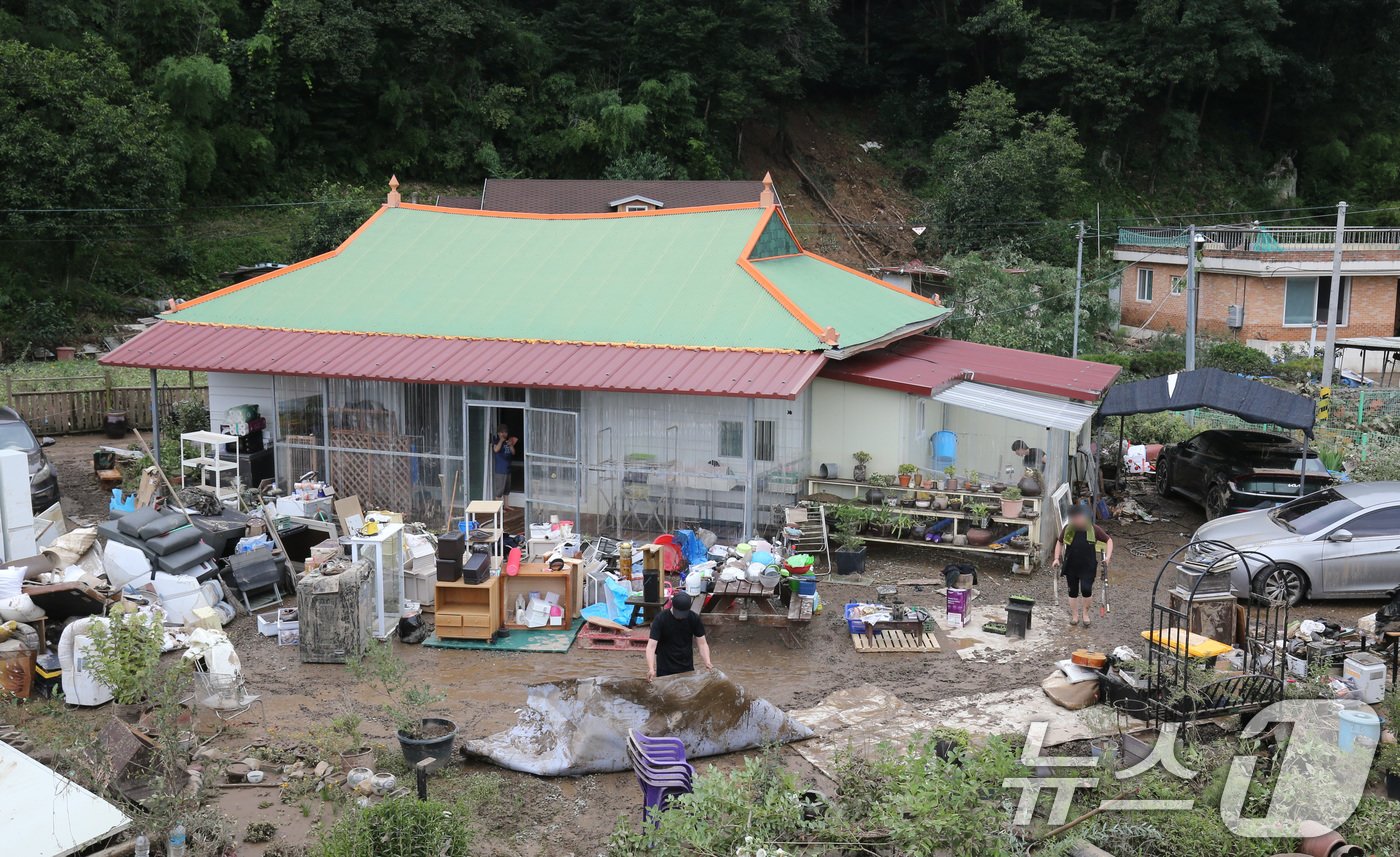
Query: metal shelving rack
(842, 487)
(208, 459)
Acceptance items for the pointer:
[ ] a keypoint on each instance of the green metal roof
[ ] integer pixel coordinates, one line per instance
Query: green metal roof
(657, 279)
(860, 310)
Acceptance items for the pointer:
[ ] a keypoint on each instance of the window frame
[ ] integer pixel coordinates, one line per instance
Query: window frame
(765, 439)
(1343, 305)
(1349, 525)
(1144, 281)
(1178, 284)
(634, 207)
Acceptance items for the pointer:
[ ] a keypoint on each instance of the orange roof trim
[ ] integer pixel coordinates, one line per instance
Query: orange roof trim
(305, 263)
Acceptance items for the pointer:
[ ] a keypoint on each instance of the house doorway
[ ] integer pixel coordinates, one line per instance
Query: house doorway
(513, 421)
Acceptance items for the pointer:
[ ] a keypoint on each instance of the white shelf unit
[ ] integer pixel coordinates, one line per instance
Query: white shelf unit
(385, 549)
(488, 515)
(208, 460)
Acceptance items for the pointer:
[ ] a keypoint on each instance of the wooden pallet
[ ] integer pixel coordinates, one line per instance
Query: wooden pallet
(899, 642)
(607, 640)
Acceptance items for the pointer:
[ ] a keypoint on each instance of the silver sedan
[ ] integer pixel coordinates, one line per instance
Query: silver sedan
(1341, 542)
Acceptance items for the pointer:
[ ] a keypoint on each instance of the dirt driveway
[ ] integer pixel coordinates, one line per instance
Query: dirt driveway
(573, 816)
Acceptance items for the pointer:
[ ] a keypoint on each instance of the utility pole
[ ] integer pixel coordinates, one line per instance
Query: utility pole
(1078, 287)
(1191, 297)
(1330, 349)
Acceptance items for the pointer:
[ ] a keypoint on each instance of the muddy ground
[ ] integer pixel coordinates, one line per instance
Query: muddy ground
(567, 816)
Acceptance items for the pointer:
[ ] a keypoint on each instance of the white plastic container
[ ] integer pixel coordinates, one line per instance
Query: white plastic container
(1367, 672)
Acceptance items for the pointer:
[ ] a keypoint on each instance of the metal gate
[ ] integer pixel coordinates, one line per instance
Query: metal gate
(553, 465)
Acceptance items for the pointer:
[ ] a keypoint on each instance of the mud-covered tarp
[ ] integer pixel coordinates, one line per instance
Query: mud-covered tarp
(579, 726)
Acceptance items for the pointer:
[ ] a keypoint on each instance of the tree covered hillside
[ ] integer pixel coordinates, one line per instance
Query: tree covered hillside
(188, 124)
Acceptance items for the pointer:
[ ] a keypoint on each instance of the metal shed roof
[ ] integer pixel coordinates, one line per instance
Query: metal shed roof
(1030, 408)
(922, 365)
(430, 360)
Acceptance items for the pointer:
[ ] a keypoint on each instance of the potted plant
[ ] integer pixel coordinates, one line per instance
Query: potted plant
(875, 494)
(123, 654)
(420, 735)
(906, 474)
(1011, 502)
(862, 458)
(354, 752)
(1135, 673)
(882, 521)
(1388, 761)
(901, 525)
(973, 480)
(849, 553)
(951, 483)
(1030, 483)
(979, 515)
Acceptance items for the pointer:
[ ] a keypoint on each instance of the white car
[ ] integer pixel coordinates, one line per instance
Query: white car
(1340, 542)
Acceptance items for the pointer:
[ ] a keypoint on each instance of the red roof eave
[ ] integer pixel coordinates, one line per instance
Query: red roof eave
(432, 360)
(922, 365)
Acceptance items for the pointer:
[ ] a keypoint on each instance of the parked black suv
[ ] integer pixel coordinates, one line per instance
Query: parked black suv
(1235, 470)
(43, 479)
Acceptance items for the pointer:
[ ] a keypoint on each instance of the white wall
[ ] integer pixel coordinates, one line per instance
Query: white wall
(227, 389)
(850, 417)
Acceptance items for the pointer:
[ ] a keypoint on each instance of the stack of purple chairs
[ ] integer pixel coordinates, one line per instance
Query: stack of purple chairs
(661, 770)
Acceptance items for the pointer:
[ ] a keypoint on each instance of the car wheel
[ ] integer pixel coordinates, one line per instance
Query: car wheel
(1164, 477)
(1284, 583)
(1217, 501)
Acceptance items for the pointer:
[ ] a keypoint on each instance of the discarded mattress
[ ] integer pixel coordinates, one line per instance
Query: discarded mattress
(579, 726)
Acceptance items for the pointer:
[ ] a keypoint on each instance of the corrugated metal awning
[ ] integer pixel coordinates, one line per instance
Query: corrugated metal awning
(434, 360)
(1014, 405)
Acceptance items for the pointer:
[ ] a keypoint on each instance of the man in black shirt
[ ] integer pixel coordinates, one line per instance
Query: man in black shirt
(672, 635)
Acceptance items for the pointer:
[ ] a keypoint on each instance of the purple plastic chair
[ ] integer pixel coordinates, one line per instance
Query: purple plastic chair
(661, 770)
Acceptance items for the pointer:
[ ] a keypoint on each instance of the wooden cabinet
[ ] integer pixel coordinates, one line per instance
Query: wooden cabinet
(468, 611)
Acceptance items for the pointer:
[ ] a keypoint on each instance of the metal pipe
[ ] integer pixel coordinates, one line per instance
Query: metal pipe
(1078, 287)
(155, 412)
(1330, 348)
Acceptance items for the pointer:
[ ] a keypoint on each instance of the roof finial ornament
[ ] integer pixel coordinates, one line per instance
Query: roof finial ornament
(394, 198)
(767, 198)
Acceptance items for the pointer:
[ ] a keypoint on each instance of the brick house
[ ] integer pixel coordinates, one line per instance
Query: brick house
(1261, 285)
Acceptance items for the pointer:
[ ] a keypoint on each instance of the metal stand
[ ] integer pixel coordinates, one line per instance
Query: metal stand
(1184, 684)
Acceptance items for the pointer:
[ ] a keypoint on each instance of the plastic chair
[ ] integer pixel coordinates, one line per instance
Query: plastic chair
(657, 745)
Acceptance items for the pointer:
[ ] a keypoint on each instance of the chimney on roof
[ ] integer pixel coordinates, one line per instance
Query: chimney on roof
(394, 198)
(767, 198)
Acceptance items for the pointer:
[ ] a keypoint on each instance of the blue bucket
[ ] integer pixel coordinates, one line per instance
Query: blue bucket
(1356, 723)
(807, 584)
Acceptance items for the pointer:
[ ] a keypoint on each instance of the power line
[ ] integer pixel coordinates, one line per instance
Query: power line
(131, 210)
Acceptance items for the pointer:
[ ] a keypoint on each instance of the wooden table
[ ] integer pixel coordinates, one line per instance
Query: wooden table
(740, 601)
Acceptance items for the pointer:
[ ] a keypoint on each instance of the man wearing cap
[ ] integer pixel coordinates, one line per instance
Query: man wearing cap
(1078, 548)
(673, 634)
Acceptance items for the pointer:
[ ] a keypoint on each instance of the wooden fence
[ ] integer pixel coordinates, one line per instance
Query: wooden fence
(85, 408)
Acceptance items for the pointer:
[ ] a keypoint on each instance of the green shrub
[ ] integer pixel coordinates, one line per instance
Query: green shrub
(1161, 361)
(1164, 427)
(403, 827)
(1299, 370)
(1238, 358)
(1382, 463)
(1124, 360)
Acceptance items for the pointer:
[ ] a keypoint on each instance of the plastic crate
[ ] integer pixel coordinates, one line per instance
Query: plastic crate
(855, 623)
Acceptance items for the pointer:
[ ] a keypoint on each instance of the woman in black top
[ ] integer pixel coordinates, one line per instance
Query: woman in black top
(1077, 551)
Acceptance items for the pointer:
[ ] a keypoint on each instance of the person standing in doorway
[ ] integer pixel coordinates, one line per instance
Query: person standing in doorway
(673, 635)
(1078, 550)
(502, 451)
